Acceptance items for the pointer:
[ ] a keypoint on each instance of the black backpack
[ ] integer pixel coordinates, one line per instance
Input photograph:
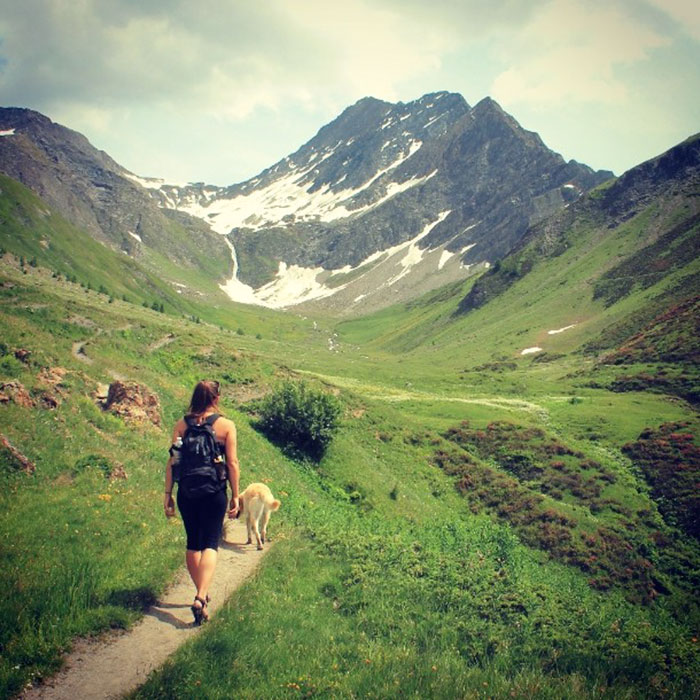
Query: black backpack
(201, 468)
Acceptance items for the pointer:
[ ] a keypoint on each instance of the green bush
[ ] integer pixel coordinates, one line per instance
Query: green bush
(300, 417)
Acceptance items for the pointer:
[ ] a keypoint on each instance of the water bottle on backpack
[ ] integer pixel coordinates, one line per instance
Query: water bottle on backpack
(175, 454)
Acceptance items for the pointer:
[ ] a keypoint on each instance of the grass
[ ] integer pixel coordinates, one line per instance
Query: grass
(392, 573)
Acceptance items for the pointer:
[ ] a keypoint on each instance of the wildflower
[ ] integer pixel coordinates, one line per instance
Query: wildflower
(107, 497)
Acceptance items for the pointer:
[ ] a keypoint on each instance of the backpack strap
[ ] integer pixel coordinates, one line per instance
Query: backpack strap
(191, 420)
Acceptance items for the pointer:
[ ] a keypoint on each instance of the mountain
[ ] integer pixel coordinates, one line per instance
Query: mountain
(612, 279)
(99, 196)
(665, 187)
(385, 202)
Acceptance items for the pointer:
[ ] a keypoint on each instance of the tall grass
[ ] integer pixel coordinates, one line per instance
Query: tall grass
(381, 581)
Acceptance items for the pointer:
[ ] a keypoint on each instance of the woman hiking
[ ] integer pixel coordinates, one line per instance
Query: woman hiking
(203, 458)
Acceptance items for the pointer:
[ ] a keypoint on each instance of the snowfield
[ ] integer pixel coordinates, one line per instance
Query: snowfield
(289, 196)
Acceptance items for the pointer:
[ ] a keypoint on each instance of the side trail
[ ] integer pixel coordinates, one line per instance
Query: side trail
(98, 669)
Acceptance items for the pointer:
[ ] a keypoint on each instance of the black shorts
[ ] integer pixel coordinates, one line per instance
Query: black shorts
(203, 518)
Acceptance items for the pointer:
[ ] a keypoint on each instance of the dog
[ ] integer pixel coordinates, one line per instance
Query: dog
(256, 503)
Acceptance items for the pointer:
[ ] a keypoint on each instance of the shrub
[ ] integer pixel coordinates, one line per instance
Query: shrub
(300, 417)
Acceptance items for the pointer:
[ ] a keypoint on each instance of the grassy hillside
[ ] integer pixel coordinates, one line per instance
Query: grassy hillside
(487, 522)
(37, 236)
(403, 561)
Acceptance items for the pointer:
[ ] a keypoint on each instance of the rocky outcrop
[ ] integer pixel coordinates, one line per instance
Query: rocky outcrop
(14, 391)
(17, 459)
(133, 402)
(669, 183)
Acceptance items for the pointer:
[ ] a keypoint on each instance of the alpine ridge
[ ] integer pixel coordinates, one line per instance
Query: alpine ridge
(386, 202)
(99, 196)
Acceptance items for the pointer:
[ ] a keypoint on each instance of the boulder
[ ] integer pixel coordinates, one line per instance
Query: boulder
(133, 402)
(15, 391)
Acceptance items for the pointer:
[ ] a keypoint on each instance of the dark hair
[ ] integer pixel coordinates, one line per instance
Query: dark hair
(205, 394)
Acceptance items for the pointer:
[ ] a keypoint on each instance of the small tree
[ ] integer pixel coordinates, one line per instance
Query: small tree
(300, 417)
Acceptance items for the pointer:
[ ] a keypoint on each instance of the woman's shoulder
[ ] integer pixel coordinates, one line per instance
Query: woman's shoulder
(225, 423)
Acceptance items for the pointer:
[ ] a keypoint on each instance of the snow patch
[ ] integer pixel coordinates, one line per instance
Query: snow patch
(7, 132)
(530, 351)
(287, 197)
(560, 330)
(433, 120)
(294, 284)
(136, 236)
(446, 255)
(414, 254)
(234, 288)
(393, 188)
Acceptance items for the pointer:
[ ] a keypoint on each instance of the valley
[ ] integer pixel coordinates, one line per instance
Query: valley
(508, 508)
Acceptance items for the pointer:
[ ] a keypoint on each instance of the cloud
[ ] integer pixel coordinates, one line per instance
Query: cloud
(686, 14)
(225, 57)
(143, 78)
(571, 51)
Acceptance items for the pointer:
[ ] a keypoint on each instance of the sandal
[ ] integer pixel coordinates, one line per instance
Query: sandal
(199, 612)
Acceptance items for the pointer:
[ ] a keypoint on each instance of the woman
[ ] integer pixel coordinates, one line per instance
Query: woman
(203, 516)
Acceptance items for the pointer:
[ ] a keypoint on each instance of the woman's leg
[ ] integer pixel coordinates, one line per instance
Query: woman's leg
(211, 518)
(191, 518)
(193, 559)
(205, 572)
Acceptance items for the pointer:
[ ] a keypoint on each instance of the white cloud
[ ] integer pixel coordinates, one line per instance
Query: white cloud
(224, 57)
(686, 13)
(570, 52)
(220, 89)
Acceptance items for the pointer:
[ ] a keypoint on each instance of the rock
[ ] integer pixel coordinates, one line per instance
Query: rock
(22, 463)
(52, 376)
(133, 402)
(23, 355)
(48, 400)
(101, 392)
(53, 394)
(117, 472)
(15, 391)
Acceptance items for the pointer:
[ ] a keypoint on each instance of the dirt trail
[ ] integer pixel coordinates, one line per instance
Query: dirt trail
(109, 669)
(78, 351)
(166, 340)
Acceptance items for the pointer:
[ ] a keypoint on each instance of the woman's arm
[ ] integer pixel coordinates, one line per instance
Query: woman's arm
(232, 467)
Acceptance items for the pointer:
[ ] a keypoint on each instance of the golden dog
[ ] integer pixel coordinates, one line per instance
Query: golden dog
(256, 503)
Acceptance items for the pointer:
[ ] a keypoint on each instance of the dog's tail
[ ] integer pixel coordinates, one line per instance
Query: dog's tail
(275, 504)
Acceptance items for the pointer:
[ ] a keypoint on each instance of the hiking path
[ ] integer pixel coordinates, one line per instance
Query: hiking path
(109, 668)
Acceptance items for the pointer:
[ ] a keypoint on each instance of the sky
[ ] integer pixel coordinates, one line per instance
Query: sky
(218, 90)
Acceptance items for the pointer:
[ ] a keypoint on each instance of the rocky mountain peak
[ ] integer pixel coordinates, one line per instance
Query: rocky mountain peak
(417, 194)
(386, 201)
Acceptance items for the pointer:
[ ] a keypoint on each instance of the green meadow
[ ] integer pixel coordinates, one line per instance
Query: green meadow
(484, 524)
